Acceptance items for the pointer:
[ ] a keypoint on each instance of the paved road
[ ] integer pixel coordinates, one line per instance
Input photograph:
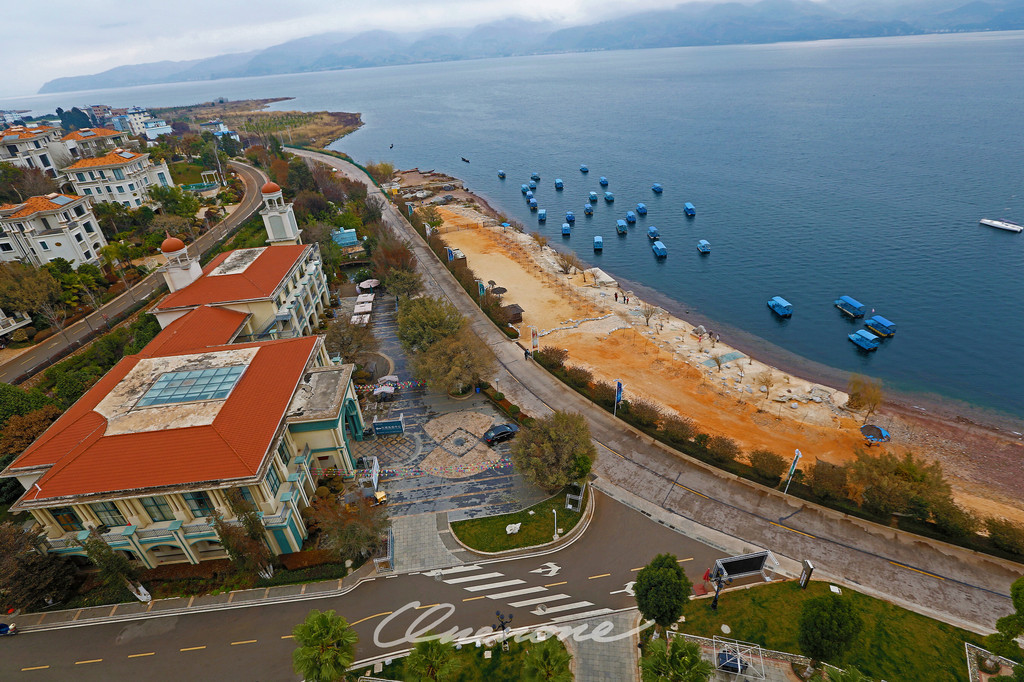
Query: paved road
(589, 577)
(955, 585)
(39, 356)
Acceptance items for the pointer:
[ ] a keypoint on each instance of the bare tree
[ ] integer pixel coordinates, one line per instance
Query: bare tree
(567, 262)
(766, 380)
(866, 394)
(717, 359)
(648, 310)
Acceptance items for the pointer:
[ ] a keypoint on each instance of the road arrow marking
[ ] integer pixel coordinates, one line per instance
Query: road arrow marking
(541, 610)
(627, 590)
(548, 570)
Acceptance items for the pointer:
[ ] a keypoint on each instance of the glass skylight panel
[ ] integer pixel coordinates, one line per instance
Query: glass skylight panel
(61, 200)
(183, 387)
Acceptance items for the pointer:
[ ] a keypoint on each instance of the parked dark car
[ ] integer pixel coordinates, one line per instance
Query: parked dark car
(500, 433)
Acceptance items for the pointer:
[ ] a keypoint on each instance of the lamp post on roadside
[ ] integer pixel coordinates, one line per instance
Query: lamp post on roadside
(555, 510)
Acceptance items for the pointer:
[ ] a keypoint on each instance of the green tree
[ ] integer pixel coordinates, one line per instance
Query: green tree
(662, 589)
(904, 485)
(351, 529)
(828, 625)
(1016, 676)
(176, 201)
(679, 662)
(326, 647)
(768, 464)
(424, 321)
(828, 481)
(244, 541)
(15, 400)
(456, 364)
(28, 576)
(392, 254)
(432, 661)
(349, 341)
(546, 452)
(115, 568)
(723, 448)
(1009, 628)
(402, 283)
(1006, 535)
(32, 290)
(547, 661)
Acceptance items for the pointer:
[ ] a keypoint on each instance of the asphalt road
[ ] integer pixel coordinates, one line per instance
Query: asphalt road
(589, 577)
(40, 356)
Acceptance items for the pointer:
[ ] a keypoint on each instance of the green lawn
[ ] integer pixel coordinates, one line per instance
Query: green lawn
(503, 666)
(896, 645)
(488, 534)
(184, 173)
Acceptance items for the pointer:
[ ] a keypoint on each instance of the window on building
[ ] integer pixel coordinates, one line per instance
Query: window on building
(127, 203)
(96, 246)
(44, 159)
(81, 176)
(103, 176)
(28, 161)
(158, 509)
(120, 188)
(6, 248)
(138, 202)
(162, 179)
(247, 495)
(92, 176)
(87, 255)
(108, 513)
(88, 227)
(66, 518)
(46, 223)
(201, 384)
(273, 480)
(285, 452)
(198, 503)
(145, 180)
(43, 246)
(12, 149)
(78, 236)
(36, 143)
(131, 186)
(109, 191)
(88, 191)
(79, 210)
(118, 174)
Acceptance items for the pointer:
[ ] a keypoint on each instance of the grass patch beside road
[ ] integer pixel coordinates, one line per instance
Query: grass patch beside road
(488, 534)
(895, 644)
(503, 666)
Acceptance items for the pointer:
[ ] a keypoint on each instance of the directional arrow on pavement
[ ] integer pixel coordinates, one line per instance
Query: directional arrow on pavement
(627, 590)
(549, 570)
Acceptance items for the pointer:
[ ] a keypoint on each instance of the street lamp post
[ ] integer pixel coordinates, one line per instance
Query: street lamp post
(555, 510)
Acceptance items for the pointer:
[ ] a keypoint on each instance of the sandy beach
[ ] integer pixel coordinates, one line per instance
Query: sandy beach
(670, 362)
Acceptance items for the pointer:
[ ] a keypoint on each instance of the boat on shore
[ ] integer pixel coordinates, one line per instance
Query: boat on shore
(621, 227)
(659, 250)
(652, 233)
(598, 243)
(689, 210)
(850, 306)
(1002, 225)
(880, 326)
(780, 306)
(864, 339)
(703, 246)
(641, 209)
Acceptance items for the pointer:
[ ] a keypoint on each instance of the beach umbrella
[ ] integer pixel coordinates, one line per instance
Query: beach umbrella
(498, 291)
(369, 283)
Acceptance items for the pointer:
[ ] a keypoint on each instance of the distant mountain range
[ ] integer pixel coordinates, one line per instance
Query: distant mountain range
(697, 23)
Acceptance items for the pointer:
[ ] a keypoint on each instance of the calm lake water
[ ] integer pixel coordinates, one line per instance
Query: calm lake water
(854, 167)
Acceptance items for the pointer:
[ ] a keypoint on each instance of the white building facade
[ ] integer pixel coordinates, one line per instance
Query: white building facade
(33, 146)
(47, 227)
(120, 176)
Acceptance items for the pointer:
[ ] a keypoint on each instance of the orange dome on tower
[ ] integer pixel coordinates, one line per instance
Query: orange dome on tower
(172, 244)
(270, 187)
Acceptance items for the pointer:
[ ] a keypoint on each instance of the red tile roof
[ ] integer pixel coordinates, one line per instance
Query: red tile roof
(117, 157)
(257, 281)
(26, 133)
(82, 460)
(35, 205)
(97, 133)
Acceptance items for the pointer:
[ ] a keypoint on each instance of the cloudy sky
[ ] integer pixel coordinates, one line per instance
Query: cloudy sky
(61, 38)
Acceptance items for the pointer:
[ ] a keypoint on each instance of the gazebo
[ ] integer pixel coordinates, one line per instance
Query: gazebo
(513, 312)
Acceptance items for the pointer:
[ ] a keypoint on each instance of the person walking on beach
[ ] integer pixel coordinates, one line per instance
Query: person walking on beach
(616, 297)
(526, 354)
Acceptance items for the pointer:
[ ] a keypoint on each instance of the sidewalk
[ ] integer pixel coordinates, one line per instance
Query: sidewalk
(934, 578)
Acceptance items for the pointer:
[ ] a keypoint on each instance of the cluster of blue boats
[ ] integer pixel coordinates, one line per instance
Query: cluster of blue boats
(867, 340)
(621, 226)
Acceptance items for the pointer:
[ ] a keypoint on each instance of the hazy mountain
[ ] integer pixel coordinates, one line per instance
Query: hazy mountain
(696, 23)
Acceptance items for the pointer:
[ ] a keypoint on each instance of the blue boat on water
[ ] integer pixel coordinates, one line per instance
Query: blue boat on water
(780, 306)
(864, 339)
(609, 197)
(588, 209)
(641, 209)
(584, 169)
(621, 227)
(533, 204)
(603, 181)
(525, 188)
(529, 194)
(598, 243)
(533, 184)
(689, 210)
(657, 188)
(881, 326)
(659, 249)
(535, 176)
(566, 229)
(570, 217)
(501, 174)
(850, 306)
(703, 246)
(542, 215)
(593, 197)
(630, 217)
(559, 184)
(652, 233)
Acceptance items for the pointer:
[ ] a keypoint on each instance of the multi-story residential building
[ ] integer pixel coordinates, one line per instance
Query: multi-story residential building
(147, 455)
(99, 112)
(33, 146)
(11, 321)
(121, 176)
(43, 228)
(89, 142)
(219, 128)
(156, 127)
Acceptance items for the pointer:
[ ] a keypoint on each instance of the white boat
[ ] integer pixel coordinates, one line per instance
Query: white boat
(1002, 225)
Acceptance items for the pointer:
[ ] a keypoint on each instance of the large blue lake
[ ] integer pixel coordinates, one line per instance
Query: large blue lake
(854, 167)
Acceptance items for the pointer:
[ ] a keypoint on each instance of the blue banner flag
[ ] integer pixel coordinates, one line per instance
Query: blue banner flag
(451, 255)
(618, 392)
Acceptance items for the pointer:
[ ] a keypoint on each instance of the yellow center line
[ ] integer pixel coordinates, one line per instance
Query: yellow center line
(553, 584)
(473, 598)
(94, 660)
(426, 606)
(193, 648)
(247, 641)
(679, 561)
(603, 575)
(916, 570)
(149, 653)
(287, 636)
(692, 491)
(376, 615)
(38, 667)
(793, 530)
(638, 568)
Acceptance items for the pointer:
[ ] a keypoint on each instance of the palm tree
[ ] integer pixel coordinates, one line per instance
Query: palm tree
(680, 662)
(433, 661)
(326, 647)
(547, 661)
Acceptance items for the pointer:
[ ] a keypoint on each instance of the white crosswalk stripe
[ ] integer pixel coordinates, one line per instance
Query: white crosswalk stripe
(456, 569)
(516, 593)
(473, 578)
(538, 600)
(563, 607)
(585, 614)
(494, 586)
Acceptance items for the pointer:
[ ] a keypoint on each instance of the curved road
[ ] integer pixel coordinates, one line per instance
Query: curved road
(40, 356)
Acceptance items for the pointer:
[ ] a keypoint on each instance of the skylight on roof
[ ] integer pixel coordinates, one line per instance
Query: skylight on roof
(183, 387)
(85, 133)
(126, 155)
(61, 200)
